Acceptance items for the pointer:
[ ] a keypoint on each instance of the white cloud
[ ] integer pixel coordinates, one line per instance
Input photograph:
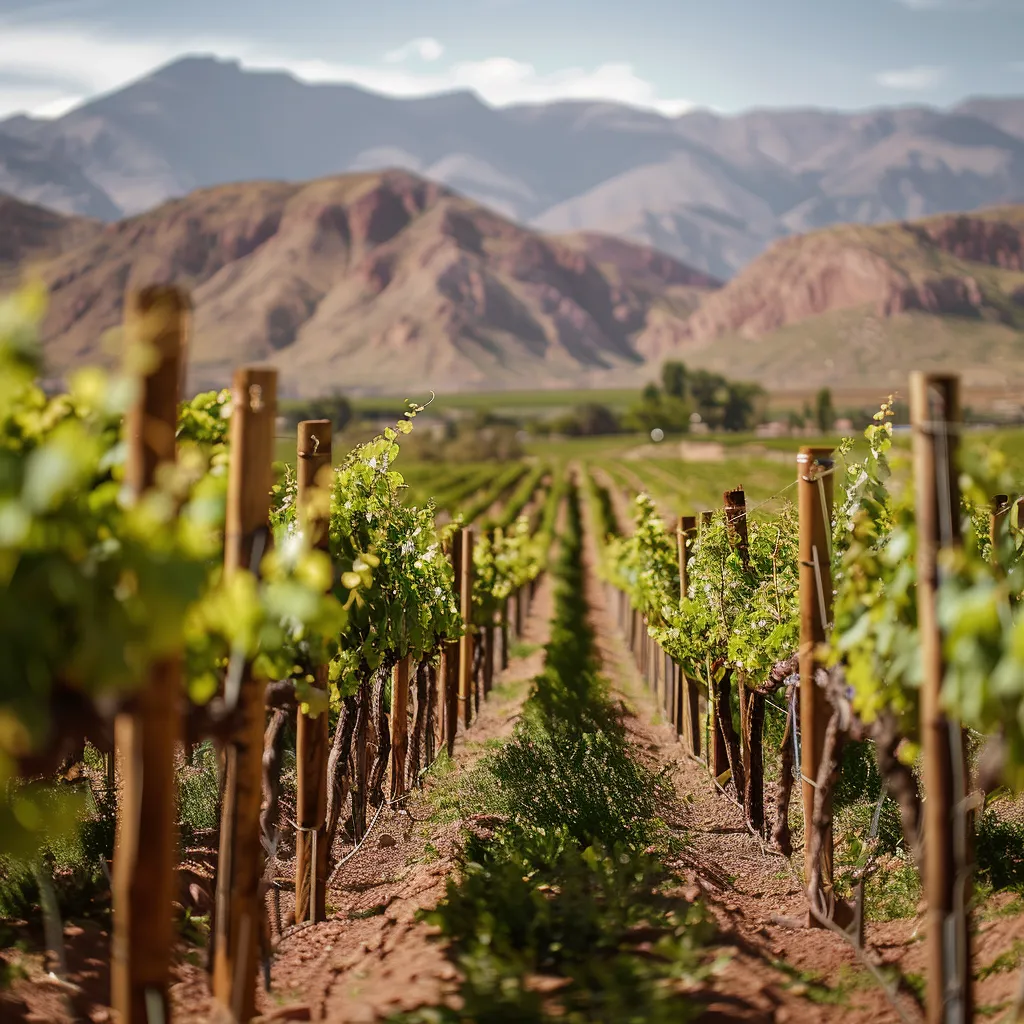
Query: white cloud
(911, 79)
(426, 48)
(64, 63)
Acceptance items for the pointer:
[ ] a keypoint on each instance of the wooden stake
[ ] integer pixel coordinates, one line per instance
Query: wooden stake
(815, 490)
(313, 500)
(240, 866)
(719, 751)
(935, 417)
(504, 634)
(689, 712)
(399, 723)
(735, 502)
(998, 518)
(489, 656)
(466, 643)
(147, 737)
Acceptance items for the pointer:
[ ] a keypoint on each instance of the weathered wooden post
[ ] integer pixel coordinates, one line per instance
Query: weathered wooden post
(146, 737)
(688, 716)
(240, 864)
(505, 634)
(399, 723)
(448, 670)
(751, 787)
(935, 417)
(814, 498)
(313, 500)
(999, 515)
(466, 643)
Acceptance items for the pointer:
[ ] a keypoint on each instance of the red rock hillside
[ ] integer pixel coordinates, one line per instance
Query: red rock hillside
(371, 282)
(31, 234)
(952, 265)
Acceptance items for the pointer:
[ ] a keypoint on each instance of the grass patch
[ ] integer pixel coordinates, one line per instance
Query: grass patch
(520, 649)
(1008, 960)
(835, 991)
(893, 892)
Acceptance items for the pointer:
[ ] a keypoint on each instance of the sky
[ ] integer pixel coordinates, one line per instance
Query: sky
(666, 55)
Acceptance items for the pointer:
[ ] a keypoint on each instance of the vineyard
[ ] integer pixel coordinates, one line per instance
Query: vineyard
(289, 732)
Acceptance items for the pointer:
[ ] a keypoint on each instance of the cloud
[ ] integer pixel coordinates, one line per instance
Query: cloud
(48, 68)
(912, 79)
(426, 48)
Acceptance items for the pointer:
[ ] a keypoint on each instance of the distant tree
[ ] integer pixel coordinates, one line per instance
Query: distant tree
(824, 411)
(588, 420)
(739, 411)
(657, 410)
(673, 379)
(334, 407)
(709, 392)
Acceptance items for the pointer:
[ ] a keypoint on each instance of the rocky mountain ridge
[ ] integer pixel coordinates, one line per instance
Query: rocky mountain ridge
(367, 282)
(712, 191)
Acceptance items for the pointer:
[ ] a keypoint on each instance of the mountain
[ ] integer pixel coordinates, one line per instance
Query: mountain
(712, 191)
(373, 282)
(862, 305)
(31, 235)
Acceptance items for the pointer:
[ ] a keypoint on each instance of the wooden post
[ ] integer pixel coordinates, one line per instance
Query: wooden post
(719, 755)
(399, 722)
(489, 656)
(735, 503)
(313, 498)
(689, 716)
(935, 417)
(504, 634)
(751, 704)
(147, 737)
(998, 517)
(240, 865)
(466, 643)
(449, 669)
(814, 490)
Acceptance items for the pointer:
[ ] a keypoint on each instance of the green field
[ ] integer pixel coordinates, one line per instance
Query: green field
(511, 403)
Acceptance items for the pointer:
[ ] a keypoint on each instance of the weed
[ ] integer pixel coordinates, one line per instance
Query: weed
(999, 851)
(520, 649)
(199, 792)
(893, 891)
(194, 928)
(811, 986)
(10, 972)
(991, 1009)
(1008, 960)
(361, 915)
(917, 984)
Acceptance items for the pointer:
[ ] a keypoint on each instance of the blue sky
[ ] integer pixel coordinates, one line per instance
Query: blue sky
(669, 55)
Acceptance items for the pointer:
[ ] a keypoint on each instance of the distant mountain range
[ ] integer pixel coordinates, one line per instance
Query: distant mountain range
(375, 282)
(385, 282)
(714, 192)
